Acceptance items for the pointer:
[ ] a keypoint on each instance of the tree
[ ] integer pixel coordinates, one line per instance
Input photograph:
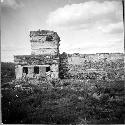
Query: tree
(63, 66)
(7, 72)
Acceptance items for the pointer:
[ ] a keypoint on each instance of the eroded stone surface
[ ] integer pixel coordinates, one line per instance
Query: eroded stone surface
(100, 66)
(44, 58)
(47, 60)
(44, 42)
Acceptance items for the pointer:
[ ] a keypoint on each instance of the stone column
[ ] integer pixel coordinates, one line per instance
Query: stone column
(42, 71)
(54, 71)
(30, 72)
(18, 71)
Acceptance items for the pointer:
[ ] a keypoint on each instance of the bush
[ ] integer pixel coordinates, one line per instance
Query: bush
(65, 106)
(7, 72)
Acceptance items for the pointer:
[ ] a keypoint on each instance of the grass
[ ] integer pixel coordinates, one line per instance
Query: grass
(67, 105)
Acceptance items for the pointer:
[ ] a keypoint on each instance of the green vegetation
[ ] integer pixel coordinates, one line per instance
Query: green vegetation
(65, 101)
(66, 105)
(7, 72)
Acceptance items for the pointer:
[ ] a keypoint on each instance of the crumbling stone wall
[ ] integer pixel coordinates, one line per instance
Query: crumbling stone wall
(44, 42)
(45, 53)
(34, 60)
(96, 66)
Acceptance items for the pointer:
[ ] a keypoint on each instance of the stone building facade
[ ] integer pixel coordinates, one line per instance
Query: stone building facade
(44, 58)
(46, 61)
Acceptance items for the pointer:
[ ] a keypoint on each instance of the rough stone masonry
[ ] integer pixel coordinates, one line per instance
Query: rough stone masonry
(46, 61)
(44, 58)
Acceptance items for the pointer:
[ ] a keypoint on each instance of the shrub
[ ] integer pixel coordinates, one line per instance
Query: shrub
(7, 72)
(63, 106)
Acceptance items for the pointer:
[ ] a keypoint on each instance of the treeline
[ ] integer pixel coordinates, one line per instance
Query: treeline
(7, 72)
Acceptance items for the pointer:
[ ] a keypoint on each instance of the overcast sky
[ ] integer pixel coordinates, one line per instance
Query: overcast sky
(84, 26)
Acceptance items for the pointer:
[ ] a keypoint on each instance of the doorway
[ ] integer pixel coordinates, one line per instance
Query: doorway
(25, 70)
(36, 69)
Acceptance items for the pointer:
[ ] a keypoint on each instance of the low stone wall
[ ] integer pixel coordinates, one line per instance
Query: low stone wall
(101, 66)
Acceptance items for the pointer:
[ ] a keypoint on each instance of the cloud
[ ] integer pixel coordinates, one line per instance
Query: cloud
(108, 47)
(86, 14)
(14, 4)
(112, 28)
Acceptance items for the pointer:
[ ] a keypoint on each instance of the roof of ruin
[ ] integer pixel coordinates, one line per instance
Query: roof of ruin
(43, 32)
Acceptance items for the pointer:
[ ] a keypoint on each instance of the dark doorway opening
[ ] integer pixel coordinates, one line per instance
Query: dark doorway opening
(49, 38)
(25, 70)
(36, 70)
(47, 69)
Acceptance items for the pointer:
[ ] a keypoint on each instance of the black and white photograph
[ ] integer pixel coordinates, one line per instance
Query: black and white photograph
(62, 62)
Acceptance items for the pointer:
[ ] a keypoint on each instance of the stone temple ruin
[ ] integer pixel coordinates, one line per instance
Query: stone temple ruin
(46, 61)
(44, 58)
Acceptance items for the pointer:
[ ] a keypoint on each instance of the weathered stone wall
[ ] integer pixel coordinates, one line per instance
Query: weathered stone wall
(44, 42)
(36, 59)
(18, 71)
(96, 66)
(32, 60)
(45, 51)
